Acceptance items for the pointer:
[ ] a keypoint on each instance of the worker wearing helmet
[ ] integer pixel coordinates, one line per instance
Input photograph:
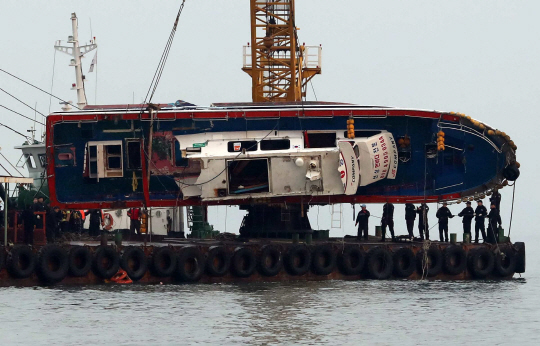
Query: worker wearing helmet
(362, 222)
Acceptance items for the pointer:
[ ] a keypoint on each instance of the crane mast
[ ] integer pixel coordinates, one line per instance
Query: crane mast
(279, 67)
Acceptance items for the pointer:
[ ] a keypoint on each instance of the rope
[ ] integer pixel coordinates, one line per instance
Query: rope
(15, 168)
(425, 264)
(52, 81)
(22, 115)
(32, 85)
(512, 210)
(17, 132)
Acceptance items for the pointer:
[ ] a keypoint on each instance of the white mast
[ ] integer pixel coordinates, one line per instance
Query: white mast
(77, 52)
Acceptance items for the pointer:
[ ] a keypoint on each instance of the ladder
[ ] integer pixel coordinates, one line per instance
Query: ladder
(336, 215)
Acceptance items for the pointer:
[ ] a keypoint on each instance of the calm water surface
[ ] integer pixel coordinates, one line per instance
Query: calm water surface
(331, 312)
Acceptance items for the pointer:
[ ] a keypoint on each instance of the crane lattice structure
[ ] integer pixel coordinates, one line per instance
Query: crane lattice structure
(279, 67)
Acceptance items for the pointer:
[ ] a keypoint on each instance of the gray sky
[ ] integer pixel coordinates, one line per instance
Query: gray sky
(475, 57)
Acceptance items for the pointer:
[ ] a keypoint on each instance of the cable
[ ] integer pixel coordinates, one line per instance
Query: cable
(22, 115)
(512, 210)
(312, 88)
(52, 81)
(17, 132)
(38, 88)
(27, 105)
(15, 168)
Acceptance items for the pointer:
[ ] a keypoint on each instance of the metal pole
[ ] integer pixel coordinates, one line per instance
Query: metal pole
(5, 213)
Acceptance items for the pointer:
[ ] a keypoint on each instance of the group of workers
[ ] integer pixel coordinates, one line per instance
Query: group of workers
(443, 214)
(59, 222)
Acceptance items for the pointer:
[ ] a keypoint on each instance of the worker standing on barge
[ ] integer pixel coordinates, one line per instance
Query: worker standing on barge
(494, 222)
(467, 214)
(388, 220)
(362, 222)
(410, 216)
(443, 214)
(423, 224)
(481, 214)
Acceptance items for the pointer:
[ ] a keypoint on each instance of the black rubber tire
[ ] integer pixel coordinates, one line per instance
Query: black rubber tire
(323, 260)
(520, 254)
(404, 262)
(190, 264)
(270, 261)
(52, 264)
(481, 262)
(80, 261)
(351, 260)
(163, 261)
(435, 261)
(21, 261)
(134, 262)
(455, 260)
(2, 257)
(106, 262)
(243, 262)
(507, 266)
(511, 172)
(298, 260)
(218, 261)
(379, 263)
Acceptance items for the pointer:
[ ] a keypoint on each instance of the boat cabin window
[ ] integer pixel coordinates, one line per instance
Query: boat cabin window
(30, 161)
(320, 140)
(248, 176)
(179, 161)
(356, 150)
(275, 144)
(42, 160)
(134, 154)
(105, 159)
(238, 146)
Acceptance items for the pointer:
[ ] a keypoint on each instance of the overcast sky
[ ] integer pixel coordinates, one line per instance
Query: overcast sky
(480, 58)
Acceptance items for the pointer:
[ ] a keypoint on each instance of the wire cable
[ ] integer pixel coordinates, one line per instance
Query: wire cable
(15, 168)
(24, 103)
(17, 132)
(22, 115)
(38, 88)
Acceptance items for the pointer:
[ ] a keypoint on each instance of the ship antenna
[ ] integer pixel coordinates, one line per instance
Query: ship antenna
(77, 52)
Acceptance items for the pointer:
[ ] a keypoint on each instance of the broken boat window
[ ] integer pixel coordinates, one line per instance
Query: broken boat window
(179, 161)
(134, 154)
(238, 146)
(275, 144)
(114, 157)
(248, 176)
(30, 161)
(321, 140)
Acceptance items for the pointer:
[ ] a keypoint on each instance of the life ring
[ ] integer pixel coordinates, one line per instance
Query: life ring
(52, 264)
(110, 221)
(455, 260)
(106, 262)
(270, 261)
(163, 261)
(379, 263)
(352, 260)
(121, 277)
(434, 263)
(80, 261)
(481, 262)
(21, 261)
(298, 260)
(243, 262)
(404, 262)
(520, 254)
(505, 265)
(134, 263)
(323, 260)
(190, 264)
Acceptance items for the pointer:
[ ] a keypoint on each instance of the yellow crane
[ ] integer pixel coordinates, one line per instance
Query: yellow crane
(279, 67)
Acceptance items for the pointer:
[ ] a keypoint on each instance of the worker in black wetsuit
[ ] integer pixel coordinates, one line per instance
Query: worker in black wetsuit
(362, 222)
(52, 224)
(479, 225)
(443, 214)
(496, 199)
(410, 216)
(494, 222)
(29, 221)
(388, 220)
(96, 221)
(423, 224)
(467, 214)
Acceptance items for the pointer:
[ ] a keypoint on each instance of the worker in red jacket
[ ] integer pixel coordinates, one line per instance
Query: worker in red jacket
(135, 220)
